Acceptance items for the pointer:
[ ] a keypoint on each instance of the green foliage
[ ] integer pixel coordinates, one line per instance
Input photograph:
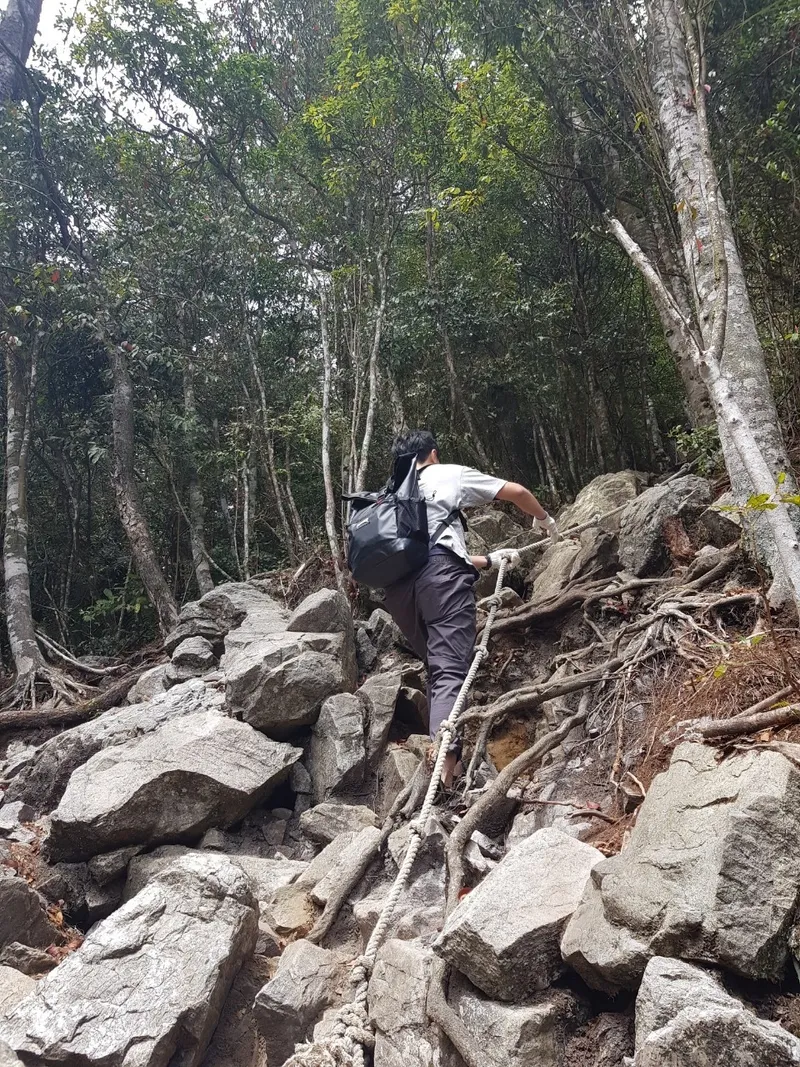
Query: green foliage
(699, 446)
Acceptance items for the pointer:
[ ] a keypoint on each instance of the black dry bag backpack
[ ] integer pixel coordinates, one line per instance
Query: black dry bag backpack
(387, 532)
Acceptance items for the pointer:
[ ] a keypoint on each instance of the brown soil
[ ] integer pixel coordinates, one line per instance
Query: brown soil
(603, 1042)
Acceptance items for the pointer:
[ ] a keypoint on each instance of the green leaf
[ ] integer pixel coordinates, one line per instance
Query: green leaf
(719, 670)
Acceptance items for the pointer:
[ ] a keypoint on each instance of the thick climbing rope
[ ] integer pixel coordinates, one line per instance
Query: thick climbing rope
(351, 1032)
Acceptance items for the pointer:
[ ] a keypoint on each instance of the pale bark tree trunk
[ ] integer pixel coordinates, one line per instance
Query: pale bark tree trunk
(17, 32)
(729, 354)
(20, 384)
(294, 513)
(396, 401)
(202, 568)
(372, 402)
(330, 499)
(126, 489)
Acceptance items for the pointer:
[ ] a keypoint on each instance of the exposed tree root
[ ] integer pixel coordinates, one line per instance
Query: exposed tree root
(69, 714)
(40, 690)
(744, 724)
(61, 654)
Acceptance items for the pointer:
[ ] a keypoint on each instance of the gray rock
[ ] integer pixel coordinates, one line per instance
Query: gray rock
(684, 1018)
(326, 860)
(338, 757)
(398, 990)
(14, 987)
(384, 631)
(419, 914)
(287, 1007)
(236, 1041)
(149, 686)
(396, 770)
(197, 625)
(112, 865)
(601, 495)
(641, 544)
(195, 653)
(278, 682)
(328, 820)
(504, 936)
(379, 695)
(519, 1035)
(552, 570)
(722, 527)
(244, 607)
(148, 984)
(710, 873)
(18, 757)
(172, 784)
(325, 612)
(23, 913)
(9, 1058)
(32, 962)
(300, 780)
(42, 784)
(265, 876)
(292, 912)
(350, 859)
(366, 652)
(13, 814)
(493, 526)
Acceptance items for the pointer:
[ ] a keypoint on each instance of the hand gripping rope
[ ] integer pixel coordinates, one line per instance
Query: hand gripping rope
(351, 1032)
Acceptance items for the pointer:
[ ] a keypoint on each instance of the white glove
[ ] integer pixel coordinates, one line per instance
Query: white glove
(548, 524)
(509, 554)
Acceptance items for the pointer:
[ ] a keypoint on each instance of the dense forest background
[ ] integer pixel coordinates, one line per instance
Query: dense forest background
(242, 243)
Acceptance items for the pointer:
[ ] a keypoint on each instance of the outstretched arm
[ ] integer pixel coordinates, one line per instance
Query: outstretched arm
(523, 498)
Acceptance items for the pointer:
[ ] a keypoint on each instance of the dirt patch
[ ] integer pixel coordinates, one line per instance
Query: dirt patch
(604, 1042)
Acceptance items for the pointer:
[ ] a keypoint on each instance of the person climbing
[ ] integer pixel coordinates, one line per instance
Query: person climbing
(435, 606)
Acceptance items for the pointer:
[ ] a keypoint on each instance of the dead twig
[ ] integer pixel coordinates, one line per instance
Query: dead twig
(748, 724)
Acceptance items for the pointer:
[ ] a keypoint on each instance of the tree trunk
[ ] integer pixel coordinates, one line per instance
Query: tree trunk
(20, 383)
(294, 513)
(330, 499)
(695, 186)
(17, 32)
(202, 568)
(396, 400)
(129, 504)
(372, 402)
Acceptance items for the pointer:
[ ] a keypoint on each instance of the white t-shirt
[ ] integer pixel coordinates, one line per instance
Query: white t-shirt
(446, 486)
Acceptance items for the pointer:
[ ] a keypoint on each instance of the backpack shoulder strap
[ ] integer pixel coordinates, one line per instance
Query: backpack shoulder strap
(440, 529)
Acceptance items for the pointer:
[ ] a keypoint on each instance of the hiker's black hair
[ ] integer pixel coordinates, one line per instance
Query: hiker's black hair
(420, 442)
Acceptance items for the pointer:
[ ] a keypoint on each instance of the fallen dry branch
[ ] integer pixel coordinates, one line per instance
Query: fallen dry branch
(70, 714)
(748, 724)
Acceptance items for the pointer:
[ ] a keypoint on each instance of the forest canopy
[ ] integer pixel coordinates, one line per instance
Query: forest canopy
(242, 244)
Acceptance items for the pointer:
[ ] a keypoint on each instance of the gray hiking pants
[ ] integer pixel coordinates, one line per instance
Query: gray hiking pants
(435, 609)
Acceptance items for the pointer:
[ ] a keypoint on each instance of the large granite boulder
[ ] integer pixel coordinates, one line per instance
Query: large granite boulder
(23, 914)
(306, 982)
(325, 612)
(170, 785)
(684, 1018)
(338, 755)
(601, 495)
(641, 543)
(504, 935)
(43, 781)
(243, 607)
(398, 990)
(519, 1035)
(14, 987)
(278, 682)
(146, 987)
(711, 873)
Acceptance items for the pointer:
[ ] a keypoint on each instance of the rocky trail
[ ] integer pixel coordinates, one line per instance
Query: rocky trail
(191, 877)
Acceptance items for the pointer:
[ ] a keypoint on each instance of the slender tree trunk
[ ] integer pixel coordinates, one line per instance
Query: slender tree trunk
(396, 400)
(20, 385)
(294, 513)
(129, 504)
(18, 26)
(202, 568)
(246, 517)
(330, 499)
(372, 402)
